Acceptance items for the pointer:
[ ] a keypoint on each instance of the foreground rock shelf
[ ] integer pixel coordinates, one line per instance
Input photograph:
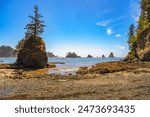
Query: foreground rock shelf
(130, 83)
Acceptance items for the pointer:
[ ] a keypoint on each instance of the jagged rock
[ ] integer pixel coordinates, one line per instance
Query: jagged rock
(89, 56)
(143, 42)
(111, 55)
(33, 54)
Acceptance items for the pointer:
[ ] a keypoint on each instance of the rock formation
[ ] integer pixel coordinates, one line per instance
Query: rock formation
(7, 51)
(32, 54)
(51, 55)
(103, 56)
(140, 44)
(72, 55)
(143, 45)
(89, 56)
(111, 55)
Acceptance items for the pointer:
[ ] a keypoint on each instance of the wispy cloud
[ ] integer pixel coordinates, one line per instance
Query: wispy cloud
(135, 9)
(120, 47)
(104, 23)
(109, 31)
(110, 21)
(118, 35)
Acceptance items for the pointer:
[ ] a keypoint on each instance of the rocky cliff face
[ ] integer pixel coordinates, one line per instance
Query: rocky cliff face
(33, 54)
(143, 43)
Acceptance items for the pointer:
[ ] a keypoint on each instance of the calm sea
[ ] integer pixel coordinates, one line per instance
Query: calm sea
(71, 64)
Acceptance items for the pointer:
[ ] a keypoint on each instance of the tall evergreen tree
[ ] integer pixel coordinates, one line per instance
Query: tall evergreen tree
(131, 31)
(132, 38)
(36, 26)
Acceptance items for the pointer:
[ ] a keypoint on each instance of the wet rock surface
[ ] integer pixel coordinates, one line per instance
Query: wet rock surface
(111, 67)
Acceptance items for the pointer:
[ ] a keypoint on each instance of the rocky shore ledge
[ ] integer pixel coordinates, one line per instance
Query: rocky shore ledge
(111, 80)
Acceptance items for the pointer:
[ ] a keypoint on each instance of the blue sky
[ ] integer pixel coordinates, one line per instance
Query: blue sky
(93, 27)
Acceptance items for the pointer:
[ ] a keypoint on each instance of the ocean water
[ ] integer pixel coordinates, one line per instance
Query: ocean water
(71, 64)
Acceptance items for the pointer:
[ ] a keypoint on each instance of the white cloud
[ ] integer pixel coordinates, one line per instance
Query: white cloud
(109, 31)
(120, 47)
(103, 23)
(118, 35)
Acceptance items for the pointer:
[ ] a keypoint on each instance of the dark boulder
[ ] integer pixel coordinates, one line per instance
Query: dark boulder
(32, 54)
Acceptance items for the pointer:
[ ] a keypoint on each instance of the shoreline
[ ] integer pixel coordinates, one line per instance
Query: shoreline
(132, 82)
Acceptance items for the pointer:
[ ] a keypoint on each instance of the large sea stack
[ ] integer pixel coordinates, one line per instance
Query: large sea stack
(33, 53)
(139, 39)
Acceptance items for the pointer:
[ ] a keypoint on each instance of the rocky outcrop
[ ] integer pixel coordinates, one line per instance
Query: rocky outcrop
(32, 54)
(89, 56)
(143, 43)
(51, 55)
(7, 51)
(72, 55)
(103, 56)
(131, 56)
(111, 55)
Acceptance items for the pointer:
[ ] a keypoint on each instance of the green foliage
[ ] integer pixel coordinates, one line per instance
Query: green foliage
(20, 45)
(143, 24)
(131, 31)
(144, 20)
(132, 38)
(132, 42)
(36, 26)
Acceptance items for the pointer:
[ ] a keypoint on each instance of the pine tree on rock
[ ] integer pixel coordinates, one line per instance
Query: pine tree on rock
(32, 50)
(36, 26)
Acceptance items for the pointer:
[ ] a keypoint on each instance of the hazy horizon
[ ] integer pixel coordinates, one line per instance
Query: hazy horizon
(85, 27)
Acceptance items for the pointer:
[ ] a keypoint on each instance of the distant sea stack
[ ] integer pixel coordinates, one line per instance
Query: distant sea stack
(103, 56)
(33, 54)
(111, 55)
(51, 55)
(89, 56)
(72, 55)
(7, 51)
